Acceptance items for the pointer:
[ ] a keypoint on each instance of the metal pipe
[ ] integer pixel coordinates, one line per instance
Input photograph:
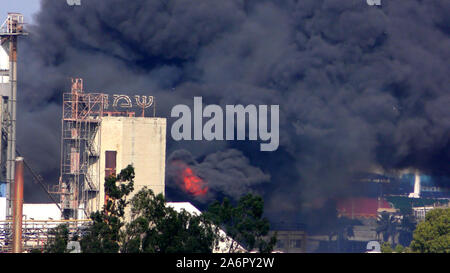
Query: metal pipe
(11, 29)
(40, 181)
(49, 221)
(11, 153)
(18, 206)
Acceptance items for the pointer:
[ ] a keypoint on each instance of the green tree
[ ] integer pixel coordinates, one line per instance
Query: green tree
(433, 234)
(387, 225)
(386, 248)
(58, 239)
(157, 228)
(399, 248)
(243, 223)
(343, 229)
(104, 235)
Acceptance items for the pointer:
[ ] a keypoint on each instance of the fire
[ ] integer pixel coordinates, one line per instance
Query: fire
(190, 182)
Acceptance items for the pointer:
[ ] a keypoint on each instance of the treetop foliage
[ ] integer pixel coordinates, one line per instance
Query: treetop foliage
(155, 227)
(433, 234)
(244, 222)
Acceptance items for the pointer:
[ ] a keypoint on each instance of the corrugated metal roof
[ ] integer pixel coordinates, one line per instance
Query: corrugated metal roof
(178, 206)
(361, 206)
(224, 244)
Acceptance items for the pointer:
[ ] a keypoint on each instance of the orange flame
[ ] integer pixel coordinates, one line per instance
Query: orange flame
(191, 183)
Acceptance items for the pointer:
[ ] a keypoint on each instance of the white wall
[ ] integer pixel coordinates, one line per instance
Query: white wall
(4, 60)
(41, 211)
(2, 208)
(35, 211)
(4, 80)
(139, 141)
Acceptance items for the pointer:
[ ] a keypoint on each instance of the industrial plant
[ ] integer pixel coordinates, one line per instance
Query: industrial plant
(100, 135)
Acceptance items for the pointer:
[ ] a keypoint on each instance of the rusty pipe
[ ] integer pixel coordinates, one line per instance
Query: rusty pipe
(18, 206)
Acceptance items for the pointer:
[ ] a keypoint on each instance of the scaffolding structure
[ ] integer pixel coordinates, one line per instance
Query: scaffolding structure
(79, 181)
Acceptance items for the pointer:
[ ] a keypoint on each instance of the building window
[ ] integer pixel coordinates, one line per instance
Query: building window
(296, 243)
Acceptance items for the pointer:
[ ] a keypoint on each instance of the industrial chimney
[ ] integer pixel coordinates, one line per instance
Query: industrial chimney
(416, 193)
(18, 206)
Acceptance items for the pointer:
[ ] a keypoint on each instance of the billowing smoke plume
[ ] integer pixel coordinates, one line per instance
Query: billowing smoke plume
(226, 172)
(359, 87)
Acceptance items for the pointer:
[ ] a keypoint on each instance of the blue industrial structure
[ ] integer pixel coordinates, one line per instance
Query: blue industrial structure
(2, 189)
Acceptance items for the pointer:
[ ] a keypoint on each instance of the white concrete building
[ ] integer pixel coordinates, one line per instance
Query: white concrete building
(38, 211)
(421, 212)
(140, 141)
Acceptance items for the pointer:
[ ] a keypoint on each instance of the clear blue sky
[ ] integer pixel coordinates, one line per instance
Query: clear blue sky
(26, 7)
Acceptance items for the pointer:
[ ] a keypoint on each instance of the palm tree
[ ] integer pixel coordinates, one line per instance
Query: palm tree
(343, 230)
(387, 225)
(407, 227)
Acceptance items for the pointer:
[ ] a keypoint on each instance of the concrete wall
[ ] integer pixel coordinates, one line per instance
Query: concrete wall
(41, 212)
(140, 141)
(44, 211)
(4, 74)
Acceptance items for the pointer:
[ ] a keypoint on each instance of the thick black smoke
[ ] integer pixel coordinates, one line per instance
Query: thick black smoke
(359, 87)
(227, 173)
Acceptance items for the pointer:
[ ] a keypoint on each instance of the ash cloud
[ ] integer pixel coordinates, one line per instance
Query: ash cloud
(358, 86)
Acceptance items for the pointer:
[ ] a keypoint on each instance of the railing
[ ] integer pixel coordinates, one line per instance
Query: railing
(35, 233)
(13, 24)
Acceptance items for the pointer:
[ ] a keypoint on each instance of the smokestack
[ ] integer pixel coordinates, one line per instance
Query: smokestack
(9, 32)
(18, 206)
(416, 193)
